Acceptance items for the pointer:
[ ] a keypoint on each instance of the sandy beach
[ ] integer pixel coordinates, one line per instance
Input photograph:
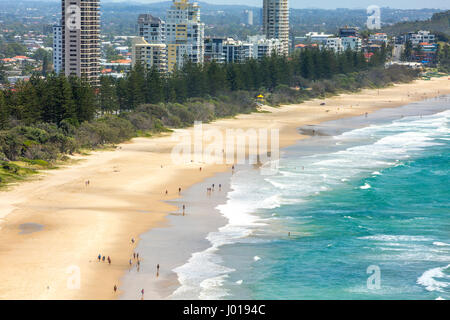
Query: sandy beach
(56, 226)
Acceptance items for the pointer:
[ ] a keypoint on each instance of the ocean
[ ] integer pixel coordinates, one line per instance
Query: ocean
(359, 211)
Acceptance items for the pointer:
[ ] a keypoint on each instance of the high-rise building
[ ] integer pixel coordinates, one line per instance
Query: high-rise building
(249, 15)
(151, 55)
(81, 39)
(184, 34)
(152, 29)
(57, 49)
(276, 21)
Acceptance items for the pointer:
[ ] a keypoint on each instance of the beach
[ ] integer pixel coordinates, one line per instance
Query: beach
(68, 224)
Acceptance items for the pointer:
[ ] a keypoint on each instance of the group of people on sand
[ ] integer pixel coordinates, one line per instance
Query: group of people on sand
(213, 188)
(103, 259)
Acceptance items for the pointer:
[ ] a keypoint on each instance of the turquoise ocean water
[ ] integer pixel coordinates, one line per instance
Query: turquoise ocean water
(376, 194)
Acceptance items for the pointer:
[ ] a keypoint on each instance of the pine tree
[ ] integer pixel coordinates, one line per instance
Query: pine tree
(84, 100)
(306, 65)
(3, 112)
(107, 98)
(136, 87)
(67, 108)
(155, 88)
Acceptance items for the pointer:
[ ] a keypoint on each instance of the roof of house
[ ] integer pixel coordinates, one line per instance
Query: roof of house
(123, 61)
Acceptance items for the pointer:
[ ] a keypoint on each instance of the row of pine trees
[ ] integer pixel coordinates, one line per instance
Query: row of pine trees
(58, 99)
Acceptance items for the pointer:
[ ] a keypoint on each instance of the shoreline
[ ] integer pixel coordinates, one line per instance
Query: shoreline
(126, 198)
(189, 287)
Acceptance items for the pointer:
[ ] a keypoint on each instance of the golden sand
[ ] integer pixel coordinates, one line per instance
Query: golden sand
(81, 222)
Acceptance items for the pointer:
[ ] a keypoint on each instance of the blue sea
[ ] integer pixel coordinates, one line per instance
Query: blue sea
(367, 194)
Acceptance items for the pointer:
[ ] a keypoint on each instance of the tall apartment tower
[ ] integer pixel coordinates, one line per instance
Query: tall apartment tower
(276, 21)
(57, 49)
(184, 34)
(81, 39)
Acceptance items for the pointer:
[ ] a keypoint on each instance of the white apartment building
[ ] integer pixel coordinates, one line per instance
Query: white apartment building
(276, 21)
(334, 44)
(265, 47)
(184, 34)
(237, 51)
(421, 36)
(57, 49)
(352, 43)
(315, 37)
(149, 54)
(152, 29)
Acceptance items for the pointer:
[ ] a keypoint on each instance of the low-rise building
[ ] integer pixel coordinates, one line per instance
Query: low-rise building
(334, 44)
(378, 38)
(237, 51)
(421, 36)
(214, 50)
(352, 43)
(263, 47)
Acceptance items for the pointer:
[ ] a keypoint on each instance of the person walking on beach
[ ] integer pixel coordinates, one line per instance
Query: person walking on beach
(109, 260)
(167, 192)
(137, 256)
(179, 190)
(132, 240)
(131, 263)
(142, 293)
(157, 270)
(99, 257)
(103, 259)
(184, 209)
(220, 187)
(115, 288)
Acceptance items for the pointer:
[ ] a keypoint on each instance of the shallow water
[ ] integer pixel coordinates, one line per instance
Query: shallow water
(28, 228)
(372, 196)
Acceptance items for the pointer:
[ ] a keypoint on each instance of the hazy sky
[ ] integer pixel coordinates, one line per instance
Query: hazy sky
(331, 4)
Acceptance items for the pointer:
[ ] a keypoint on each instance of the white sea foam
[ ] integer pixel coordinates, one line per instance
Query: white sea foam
(441, 244)
(365, 186)
(385, 237)
(204, 276)
(256, 258)
(429, 279)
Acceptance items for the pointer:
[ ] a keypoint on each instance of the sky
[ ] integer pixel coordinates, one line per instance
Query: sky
(332, 4)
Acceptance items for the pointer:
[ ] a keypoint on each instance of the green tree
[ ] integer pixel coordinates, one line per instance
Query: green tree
(155, 86)
(3, 112)
(107, 98)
